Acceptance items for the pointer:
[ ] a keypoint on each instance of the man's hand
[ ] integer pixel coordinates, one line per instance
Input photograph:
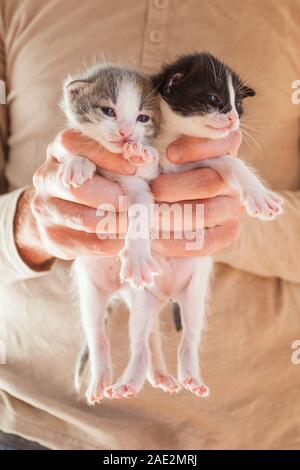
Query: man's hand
(53, 221)
(222, 208)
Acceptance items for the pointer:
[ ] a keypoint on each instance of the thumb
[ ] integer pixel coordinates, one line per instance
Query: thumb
(190, 149)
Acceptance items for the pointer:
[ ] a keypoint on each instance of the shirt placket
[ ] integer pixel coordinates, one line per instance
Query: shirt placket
(155, 39)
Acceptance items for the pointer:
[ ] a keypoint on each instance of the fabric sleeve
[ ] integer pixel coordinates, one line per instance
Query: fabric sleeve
(12, 267)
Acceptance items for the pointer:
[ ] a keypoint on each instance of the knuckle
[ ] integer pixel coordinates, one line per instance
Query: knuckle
(211, 179)
(79, 220)
(40, 175)
(56, 242)
(40, 208)
(36, 205)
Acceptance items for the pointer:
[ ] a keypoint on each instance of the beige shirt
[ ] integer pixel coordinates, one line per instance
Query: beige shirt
(255, 310)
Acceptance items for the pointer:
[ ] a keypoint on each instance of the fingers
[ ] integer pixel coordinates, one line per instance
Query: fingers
(79, 144)
(79, 217)
(67, 243)
(190, 149)
(201, 183)
(215, 240)
(185, 149)
(192, 215)
(221, 210)
(187, 216)
(96, 192)
(73, 227)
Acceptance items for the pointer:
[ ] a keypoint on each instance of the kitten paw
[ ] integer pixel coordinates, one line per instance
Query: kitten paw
(76, 171)
(96, 389)
(164, 381)
(196, 387)
(265, 205)
(139, 271)
(139, 154)
(120, 390)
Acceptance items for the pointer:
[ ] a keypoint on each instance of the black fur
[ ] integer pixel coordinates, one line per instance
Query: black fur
(187, 84)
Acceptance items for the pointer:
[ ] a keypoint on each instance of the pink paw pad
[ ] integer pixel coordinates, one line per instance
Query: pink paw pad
(116, 392)
(139, 154)
(137, 271)
(165, 382)
(199, 389)
(96, 396)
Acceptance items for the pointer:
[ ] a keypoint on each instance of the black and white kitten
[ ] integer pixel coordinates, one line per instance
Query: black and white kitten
(203, 97)
(200, 97)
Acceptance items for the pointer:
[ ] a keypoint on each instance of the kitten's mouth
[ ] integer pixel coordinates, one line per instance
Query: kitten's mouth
(228, 127)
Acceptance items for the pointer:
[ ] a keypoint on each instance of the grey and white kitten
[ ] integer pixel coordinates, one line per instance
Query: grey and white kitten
(119, 108)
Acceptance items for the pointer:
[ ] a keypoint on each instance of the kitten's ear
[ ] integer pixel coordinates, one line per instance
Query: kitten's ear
(164, 82)
(247, 91)
(75, 87)
(172, 82)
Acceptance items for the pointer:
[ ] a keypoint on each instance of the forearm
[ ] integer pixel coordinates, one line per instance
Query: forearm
(12, 266)
(270, 249)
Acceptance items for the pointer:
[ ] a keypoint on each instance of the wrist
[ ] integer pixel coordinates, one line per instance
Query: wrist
(27, 236)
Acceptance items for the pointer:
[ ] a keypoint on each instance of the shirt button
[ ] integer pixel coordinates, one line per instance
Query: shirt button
(161, 3)
(155, 36)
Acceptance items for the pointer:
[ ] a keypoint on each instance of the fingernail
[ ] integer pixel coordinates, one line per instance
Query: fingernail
(174, 153)
(128, 167)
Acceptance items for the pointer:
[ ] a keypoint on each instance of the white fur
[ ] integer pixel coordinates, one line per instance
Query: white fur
(128, 103)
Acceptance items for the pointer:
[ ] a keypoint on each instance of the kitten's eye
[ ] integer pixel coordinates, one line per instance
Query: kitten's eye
(143, 118)
(108, 111)
(213, 99)
(239, 103)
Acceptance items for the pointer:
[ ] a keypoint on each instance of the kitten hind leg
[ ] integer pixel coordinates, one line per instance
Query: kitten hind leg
(157, 374)
(93, 313)
(142, 317)
(192, 307)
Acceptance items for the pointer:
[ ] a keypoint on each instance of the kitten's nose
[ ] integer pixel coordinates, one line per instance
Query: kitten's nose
(231, 117)
(124, 132)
